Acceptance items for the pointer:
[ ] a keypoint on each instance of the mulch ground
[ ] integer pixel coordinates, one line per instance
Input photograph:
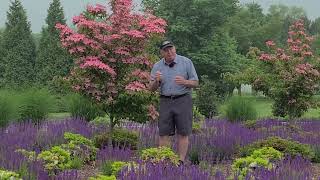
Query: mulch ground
(316, 171)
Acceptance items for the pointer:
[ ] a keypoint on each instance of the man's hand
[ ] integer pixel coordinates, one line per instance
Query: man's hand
(180, 80)
(188, 83)
(154, 85)
(158, 76)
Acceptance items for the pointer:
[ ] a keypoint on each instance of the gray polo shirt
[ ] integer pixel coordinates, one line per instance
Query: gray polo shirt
(183, 67)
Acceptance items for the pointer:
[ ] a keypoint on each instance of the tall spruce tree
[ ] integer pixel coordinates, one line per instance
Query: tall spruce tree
(52, 60)
(18, 48)
(1, 58)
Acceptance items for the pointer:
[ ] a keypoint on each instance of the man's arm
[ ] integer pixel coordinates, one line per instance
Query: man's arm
(191, 83)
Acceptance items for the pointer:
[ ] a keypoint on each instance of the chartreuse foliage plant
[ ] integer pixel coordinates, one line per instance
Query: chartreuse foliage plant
(160, 154)
(112, 61)
(259, 158)
(80, 147)
(102, 177)
(56, 159)
(9, 175)
(289, 75)
(112, 169)
(117, 166)
(30, 155)
(78, 151)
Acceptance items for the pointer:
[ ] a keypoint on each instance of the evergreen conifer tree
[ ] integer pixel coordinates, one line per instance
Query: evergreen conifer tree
(52, 60)
(18, 48)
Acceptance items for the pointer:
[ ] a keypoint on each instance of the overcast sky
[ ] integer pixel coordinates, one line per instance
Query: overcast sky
(37, 9)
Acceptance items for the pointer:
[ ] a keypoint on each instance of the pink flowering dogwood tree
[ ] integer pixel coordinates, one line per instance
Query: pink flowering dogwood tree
(112, 65)
(289, 75)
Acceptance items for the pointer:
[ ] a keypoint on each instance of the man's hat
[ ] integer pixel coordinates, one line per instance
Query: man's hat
(166, 44)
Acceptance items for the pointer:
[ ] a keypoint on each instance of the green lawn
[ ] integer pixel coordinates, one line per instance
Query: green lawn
(58, 115)
(262, 105)
(264, 108)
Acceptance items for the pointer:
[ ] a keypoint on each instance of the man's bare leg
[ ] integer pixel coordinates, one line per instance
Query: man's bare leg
(183, 143)
(165, 141)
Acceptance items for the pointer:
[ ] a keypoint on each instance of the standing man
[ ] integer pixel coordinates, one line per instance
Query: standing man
(175, 75)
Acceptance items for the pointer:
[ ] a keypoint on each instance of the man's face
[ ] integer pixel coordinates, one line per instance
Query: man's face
(168, 53)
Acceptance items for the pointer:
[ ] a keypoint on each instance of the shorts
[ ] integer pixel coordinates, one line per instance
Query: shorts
(175, 116)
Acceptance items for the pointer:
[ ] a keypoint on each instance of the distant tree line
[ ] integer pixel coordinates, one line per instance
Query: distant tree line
(215, 34)
(27, 59)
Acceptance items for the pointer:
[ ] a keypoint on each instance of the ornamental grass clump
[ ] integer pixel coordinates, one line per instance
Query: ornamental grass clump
(240, 109)
(35, 105)
(8, 109)
(81, 107)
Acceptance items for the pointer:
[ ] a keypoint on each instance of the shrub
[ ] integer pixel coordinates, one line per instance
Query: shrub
(7, 108)
(101, 121)
(259, 158)
(207, 99)
(240, 109)
(120, 137)
(287, 147)
(36, 105)
(81, 107)
(161, 154)
(289, 75)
